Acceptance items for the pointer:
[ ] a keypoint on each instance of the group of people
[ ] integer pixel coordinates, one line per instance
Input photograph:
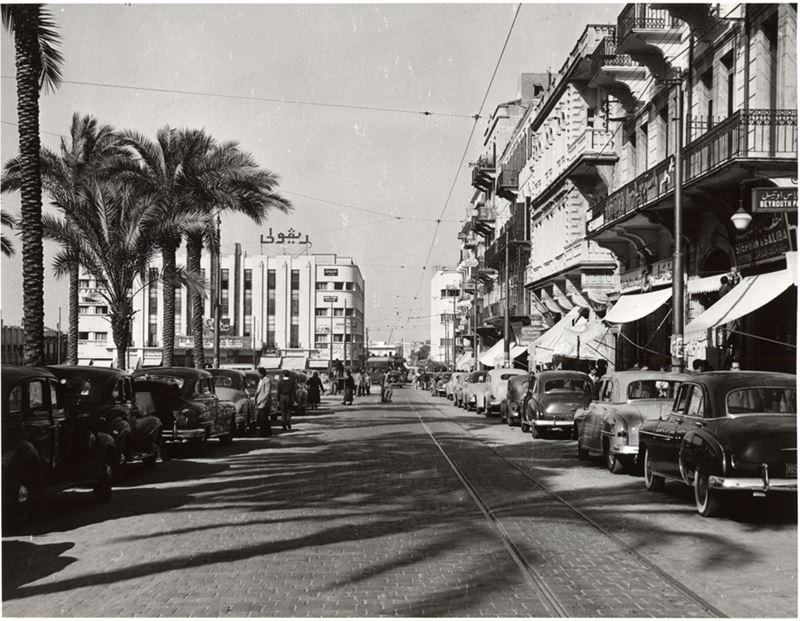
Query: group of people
(286, 391)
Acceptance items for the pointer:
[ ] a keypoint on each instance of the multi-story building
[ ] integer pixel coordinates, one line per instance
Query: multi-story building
(12, 345)
(445, 292)
(729, 73)
(301, 311)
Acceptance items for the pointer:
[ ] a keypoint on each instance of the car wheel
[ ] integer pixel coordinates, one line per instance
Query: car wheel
(102, 488)
(523, 426)
(652, 481)
(582, 452)
(20, 499)
(613, 464)
(706, 499)
(535, 433)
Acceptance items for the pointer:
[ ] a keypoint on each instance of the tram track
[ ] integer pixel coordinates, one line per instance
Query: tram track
(532, 576)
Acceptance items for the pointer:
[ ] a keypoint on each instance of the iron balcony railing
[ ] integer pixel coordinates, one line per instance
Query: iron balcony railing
(497, 309)
(768, 134)
(508, 179)
(644, 17)
(606, 55)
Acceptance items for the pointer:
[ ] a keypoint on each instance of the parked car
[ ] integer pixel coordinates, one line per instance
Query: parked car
(105, 397)
(438, 388)
(729, 435)
(474, 384)
(497, 386)
(458, 389)
(450, 385)
(554, 399)
(45, 446)
(395, 378)
(511, 406)
(609, 426)
(231, 388)
(193, 413)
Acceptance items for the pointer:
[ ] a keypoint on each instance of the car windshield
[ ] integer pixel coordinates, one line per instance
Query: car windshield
(223, 381)
(477, 377)
(565, 385)
(251, 382)
(653, 389)
(766, 400)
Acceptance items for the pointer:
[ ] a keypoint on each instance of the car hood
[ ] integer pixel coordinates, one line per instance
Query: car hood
(759, 437)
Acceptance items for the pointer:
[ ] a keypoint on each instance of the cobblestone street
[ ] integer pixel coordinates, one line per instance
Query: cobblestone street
(406, 509)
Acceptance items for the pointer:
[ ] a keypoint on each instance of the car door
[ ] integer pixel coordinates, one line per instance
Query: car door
(593, 425)
(672, 429)
(692, 419)
(659, 435)
(62, 430)
(39, 426)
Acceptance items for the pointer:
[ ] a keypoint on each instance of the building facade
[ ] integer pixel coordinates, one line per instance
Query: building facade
(445, 293)
(300, 311)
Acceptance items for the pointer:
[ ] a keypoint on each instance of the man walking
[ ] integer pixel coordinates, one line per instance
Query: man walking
(263, 391)
(286, 392)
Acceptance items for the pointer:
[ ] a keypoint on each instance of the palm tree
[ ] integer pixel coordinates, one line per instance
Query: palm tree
(38, 65)
(112, 234)
(7, 220)
(228, 179)
(159, 169)
(63, 175)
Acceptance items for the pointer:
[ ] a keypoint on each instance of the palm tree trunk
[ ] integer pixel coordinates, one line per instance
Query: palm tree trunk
(72, 333)
(27, 65)
(168, 331)
(120, 326)
(194, 249)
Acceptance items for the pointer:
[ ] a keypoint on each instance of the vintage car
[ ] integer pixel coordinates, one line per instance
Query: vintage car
(438, 385)
(231, 388)
(475, 383)
(609, 426)
(450, 385)
(251, 379)
(554, 399)
(45, 446)
(301, 392)
(191, 414)
(512, 406)
(491, 398)
(729, 435)
(105, 396)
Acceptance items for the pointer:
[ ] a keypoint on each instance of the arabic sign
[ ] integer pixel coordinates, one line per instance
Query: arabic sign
(330, 298)
(289, 237)
(660, 273)
(774, 200)
(225, 342)
(766, 238)
(528, 334)
(330, 271)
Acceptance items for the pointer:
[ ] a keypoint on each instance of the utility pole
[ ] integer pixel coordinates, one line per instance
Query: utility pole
(330, 362)
(454, 333)
(506, 319)
(677, 337)
(475, 321)
(344, 338)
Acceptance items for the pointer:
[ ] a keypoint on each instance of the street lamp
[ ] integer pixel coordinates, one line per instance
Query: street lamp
(741, 219)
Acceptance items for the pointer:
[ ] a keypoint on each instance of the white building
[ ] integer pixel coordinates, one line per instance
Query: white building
(294, 311)
(445, 293)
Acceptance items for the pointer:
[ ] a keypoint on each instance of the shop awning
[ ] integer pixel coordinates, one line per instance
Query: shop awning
(596, 341)
(270, 362)
(706, 284)
(517, 351)
(549, 303)
(632, 307)
(297, 363)
(317, 363)
(750, 294)
(541, 350)
(490, 356)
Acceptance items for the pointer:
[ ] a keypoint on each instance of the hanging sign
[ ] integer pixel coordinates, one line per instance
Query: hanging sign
(774, 200)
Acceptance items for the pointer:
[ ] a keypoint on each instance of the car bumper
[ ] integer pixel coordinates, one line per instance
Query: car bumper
(752, 484)
(541, 423)
(625, 449)
(182, 436)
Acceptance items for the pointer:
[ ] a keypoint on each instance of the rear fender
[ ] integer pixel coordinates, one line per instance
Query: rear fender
(699, 449)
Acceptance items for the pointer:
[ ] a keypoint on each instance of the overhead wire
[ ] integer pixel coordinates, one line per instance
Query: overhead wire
(464, 155)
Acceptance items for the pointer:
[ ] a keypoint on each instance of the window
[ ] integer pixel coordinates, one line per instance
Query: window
(103, 310)
(15, 400)
(348, 312)
(83, 336)
(248, 302)
(349, 286)
(321, 312)
(100, 336)
(695, 407)
(178, 310)
(271, 299)
(338, 338)
(338, 286)
(321, 285)
(83, 283)
(338, 312)
(83, 310)
(36, 395)
(224, 292)
(152, 308)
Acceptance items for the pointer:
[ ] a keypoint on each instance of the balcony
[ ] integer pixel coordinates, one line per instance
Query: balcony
(495, 312)
(700, 17)
(517, 229)
(578, 66)
(482, 221)
(483, 173)
(729, 150)
(618, 74)
(649, 35)
(508, 184)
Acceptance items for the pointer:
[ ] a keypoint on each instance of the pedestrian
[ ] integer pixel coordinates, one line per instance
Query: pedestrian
(315, 389)
(367, 380)
(263, 393)
(349, 388)
(286, 393)
(724, 286)
(357, 382)
(735, 365)
(593, 374)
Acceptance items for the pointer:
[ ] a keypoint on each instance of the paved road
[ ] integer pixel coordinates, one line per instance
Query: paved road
(411, 509)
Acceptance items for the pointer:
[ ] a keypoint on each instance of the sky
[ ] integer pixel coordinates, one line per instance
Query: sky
(328, 96)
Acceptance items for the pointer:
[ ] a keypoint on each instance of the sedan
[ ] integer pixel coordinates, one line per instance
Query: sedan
(231, 388)
(475, 383)
(512, 406)
(495, 395)
(554, 399)
(450, 386)
(729, 434)
(609, 426)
